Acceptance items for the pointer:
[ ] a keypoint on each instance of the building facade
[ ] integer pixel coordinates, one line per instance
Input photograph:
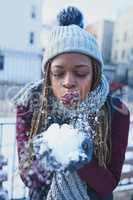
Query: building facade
(103, 31)
(122, 48)
(20, 46)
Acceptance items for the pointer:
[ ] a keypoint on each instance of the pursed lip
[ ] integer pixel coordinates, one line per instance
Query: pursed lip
(70, 98)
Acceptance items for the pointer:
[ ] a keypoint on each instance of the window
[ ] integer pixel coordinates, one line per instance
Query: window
(132, 51)
(117, 40)
(116, 55)
(33, 12)
(125, 36)
(123, 54)
(1, 62)
(32, 37)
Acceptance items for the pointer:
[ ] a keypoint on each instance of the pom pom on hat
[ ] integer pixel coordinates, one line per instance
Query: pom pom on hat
(69, 16)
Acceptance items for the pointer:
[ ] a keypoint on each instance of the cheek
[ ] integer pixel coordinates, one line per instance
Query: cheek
(85, 87)
(55, 86)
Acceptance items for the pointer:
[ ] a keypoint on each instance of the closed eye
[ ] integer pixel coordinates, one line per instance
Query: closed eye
(81, 74)
(57, 74)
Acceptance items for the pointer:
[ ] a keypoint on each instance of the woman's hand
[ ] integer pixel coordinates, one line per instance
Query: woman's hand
(36, 176)
(62, 148)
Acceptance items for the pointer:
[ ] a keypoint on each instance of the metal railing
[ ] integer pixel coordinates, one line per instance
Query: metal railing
(14, 185)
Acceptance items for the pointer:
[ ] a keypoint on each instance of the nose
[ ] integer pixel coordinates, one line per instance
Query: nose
(69, 81)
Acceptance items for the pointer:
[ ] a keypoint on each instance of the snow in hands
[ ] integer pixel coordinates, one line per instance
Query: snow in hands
(62, 148)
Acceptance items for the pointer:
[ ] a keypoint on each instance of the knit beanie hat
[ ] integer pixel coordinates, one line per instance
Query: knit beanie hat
(70, 38)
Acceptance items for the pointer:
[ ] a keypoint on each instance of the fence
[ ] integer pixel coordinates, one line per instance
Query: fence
(126, 182)
(129, 161)
(124, 191)
(15, 187)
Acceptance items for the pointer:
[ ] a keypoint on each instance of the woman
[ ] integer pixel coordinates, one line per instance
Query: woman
(73, 83)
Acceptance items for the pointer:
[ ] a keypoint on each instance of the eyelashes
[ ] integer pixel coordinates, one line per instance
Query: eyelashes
(62, 74)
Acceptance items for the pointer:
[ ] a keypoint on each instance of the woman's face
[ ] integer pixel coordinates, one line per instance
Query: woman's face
(71, 73)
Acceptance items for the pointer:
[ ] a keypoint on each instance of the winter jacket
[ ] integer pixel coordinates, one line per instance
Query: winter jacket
(101, 181)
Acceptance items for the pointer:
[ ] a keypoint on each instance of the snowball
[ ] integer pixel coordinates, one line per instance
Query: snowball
(64, 143)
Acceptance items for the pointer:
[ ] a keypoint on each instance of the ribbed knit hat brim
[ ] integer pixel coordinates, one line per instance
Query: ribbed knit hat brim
(71, 38)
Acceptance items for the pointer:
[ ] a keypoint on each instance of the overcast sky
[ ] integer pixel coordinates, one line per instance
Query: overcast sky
(93, 10)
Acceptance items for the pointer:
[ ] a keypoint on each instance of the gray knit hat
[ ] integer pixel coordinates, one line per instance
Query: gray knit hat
(71, 38)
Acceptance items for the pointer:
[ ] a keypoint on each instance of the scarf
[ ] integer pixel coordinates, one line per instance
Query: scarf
(68, 185)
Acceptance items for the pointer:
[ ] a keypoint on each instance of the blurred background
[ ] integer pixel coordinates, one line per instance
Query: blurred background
(25, 26)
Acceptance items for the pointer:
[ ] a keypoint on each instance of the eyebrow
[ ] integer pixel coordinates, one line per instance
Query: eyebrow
(78, 66)
(58, 66)
(82, 65)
